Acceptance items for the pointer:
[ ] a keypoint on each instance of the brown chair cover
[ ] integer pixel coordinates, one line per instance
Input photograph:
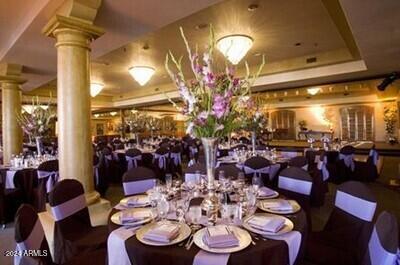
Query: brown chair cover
(383, 244)
(367, 171)
(27, 221)
(175, 165)
(230, 171)
(11, 199)
(40, 192)
(344, 239)
(255, 163)
(298, 161)
(196, 167)
(74, 234)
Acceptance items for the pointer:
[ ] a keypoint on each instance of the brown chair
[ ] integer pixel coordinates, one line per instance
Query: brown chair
(73, 232)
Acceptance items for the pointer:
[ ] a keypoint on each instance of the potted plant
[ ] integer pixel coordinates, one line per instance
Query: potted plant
(390, 118)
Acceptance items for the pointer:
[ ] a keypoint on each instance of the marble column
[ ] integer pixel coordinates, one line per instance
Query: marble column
(11, 106)
(73, 39)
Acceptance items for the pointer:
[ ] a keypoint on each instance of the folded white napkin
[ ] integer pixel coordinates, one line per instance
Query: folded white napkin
(163, 233)
(128, 216)
(220, 236)
(267, 224)
(279, 205)
(138, 201)
(265, 192)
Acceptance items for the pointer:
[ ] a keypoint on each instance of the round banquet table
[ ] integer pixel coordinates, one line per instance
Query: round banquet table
(271, 252)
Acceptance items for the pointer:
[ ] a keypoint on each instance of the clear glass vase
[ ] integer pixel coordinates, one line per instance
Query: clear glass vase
(210, 203)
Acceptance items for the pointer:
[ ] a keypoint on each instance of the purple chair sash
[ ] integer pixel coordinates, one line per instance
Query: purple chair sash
(377, 253)
(52, 178)
(96, 174)
(375, 157)
(33, 241)
(132, 161)
(176, 157)
(162, 160)
(288, 154)
(68, 208)
(256, 172)
(322, 166)
(295, 185)
(10, 174)
(136, 187)
(193, 151)
(348, 160)
(355, 206)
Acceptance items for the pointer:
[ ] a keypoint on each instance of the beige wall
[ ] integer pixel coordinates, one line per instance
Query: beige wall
(312, 113)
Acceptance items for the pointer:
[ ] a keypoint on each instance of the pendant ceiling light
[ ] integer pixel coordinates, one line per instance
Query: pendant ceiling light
(141, 74)
(95, 89)
(234, 47)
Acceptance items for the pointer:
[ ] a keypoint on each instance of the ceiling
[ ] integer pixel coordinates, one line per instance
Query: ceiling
(350, 40)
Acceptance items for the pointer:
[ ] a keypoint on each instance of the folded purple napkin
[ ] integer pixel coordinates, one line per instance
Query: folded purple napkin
(267, 224)
(220, 236)
(265, 192)
(163, 233)
(278, 205)
(128, 217)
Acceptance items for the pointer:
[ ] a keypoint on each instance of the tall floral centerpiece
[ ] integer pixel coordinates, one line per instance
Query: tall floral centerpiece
(137, 124)
(37, 123)
(210, 103)
(390, 118)
(252, 118)
(153, 125)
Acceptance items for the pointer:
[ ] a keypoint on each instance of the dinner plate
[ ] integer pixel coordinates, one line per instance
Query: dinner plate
(116, 218)
(243, 236)
(276, 194)
(184, 232)
(124, 201)
(295, 207)
(285, 229)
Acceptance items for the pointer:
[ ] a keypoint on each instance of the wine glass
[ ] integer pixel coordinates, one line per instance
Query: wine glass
(195, 214)
(168, 181)
(163, 207)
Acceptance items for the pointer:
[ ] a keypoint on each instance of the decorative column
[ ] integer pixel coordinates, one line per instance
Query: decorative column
(73, 38)
(10, 82)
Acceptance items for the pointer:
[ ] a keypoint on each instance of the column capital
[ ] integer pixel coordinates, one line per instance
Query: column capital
(11, 73)
(60, 23)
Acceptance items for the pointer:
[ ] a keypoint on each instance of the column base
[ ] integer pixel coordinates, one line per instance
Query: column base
(92, 197)
(98, 211)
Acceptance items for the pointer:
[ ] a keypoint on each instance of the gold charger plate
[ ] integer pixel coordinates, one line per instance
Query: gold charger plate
(124, 201)
(116, 218)
(285, 229)
(184, 233)
(243, 236)
(295, 207)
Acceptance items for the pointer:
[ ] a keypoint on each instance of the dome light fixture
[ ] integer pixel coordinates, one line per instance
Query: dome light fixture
(234, 47)
(141, 74)
(95, 89)
(313, 91)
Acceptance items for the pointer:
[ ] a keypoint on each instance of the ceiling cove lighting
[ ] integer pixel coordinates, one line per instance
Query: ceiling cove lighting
(234, 47)
(95, 89)
(313, 91)
(141, 74)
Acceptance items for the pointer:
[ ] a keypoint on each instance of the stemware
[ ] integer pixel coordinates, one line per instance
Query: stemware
(163, 207)
(195, 214)
(256, 183)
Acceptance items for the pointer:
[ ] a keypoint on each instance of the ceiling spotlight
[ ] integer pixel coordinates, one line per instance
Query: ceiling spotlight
(388, 80)
(252, 7)
(141, 74)
(234, 47)
(95, 89)
(201, 26)
(313, 91)
(113, 113)
(96, 115)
